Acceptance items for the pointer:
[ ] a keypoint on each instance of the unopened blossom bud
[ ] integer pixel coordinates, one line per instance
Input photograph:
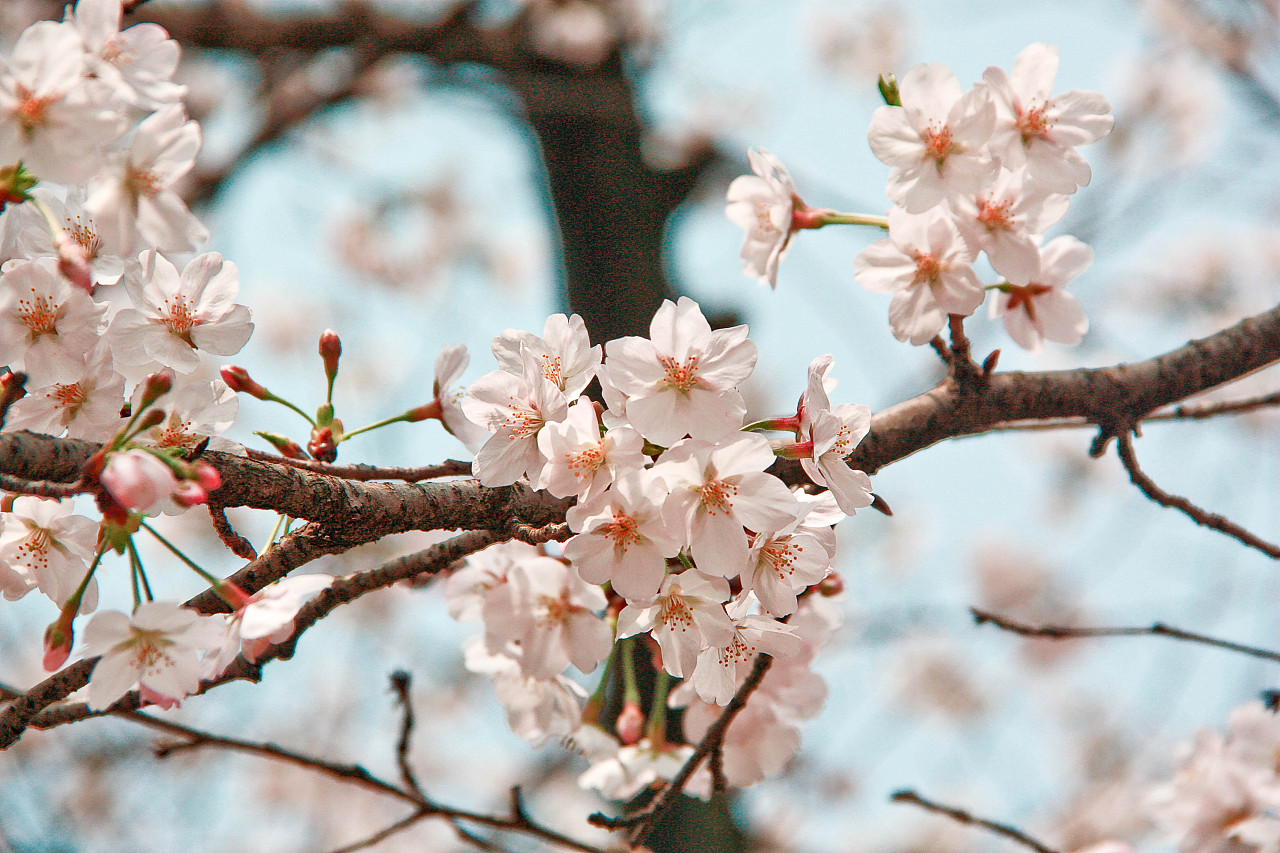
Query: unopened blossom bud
(58, 638)
(12, 389)
(73, 263)
(630, 724)
(153, 418)
(330, 352)
(324, 414)
(237, 379)
(206, 475)
(232, 594)
(189, 493)
(154, 387)
(284, 445)
(322, 445)
(137, 480)
(831, 586)
(888, 85)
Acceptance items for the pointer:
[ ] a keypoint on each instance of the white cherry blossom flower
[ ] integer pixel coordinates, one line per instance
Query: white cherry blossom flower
(194, 411)
(763, 204)
(716, 675)
(136, 204)
(47, 326)
(634, 768)
(513, 408)
(88, 408)
(564, 353)
(580, 461)
(622, 538)
(158, 649)
(927, 267)
(1040, 309)
(935, 143)
(176, 316)
(42, 544)
(1002, 218)
(687, 617)
(467, 590)
(716, 491)
(36, 241)
(50, 118)
(683, 379)
(266, 619)
(1038, 130)
(450, 364)
(537, 709)
(781, 565)
(136, 64)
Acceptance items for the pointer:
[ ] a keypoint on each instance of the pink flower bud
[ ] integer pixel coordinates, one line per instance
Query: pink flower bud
(189, 493)
(155, 386)
(232, 594)
(237, 379)
(425, 411)
(330, 351)
(58, 638)
(630, 724)
(322, 445)
(206, 475)
(137, 480)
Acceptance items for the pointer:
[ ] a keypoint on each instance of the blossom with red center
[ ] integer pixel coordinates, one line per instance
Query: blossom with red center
(687, 617)
(563, 353)
(513, 408)
(195, 411)
(716, 491)
(43, 545)
(621, 537)
(763, 205)
(47, 327)
(581, 461)
(158, 649)
(927, 267)
(936, 142)
(174, 317)
(1004, 218)
(1040, 308)
(683, 379)
(715, 677)
(87, 408)
(52, 118)
(1040, 131)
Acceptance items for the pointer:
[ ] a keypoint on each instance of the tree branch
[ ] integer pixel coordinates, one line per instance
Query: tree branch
(1158, 629)
(1124, 446)
(965, 817)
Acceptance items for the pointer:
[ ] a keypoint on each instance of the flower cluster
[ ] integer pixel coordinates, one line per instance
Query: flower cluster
(94, 138)
(683, 537)
(987, 170)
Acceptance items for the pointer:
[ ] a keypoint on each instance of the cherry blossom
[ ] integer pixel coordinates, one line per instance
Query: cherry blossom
(136, 64)
(622, 538)
(87, 408)
(564, 353)
(157, 648)
(580, 461)
(935, 143)
(513, 408)
(35, 240)
(763, 205)
(42, 544)
(1040, 131)
(176, 316)
(687, 617)
(1040, 308)
(265, 619)
(50, 118)
(715, 678)
(449, 366)
(683, 379)
(139, 480)
(927, 267)
(137, 204)
(195, 411)
(1002, 219)
(46, 325)
(634, 768)
(537, 709)
(781, 565)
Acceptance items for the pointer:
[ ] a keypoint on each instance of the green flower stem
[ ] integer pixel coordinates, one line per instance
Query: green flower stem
(630, 692)
(656, 730)
(272, 398)
(835, 218)
(404, 416)
(72, 604)
(177, 553)
(138, 574)
(684, 558)
(281, 521)
(591, 712)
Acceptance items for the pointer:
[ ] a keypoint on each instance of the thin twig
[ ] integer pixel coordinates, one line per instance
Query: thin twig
(965, 817)
(1177, 413)
(941, 348)
(400, 683)
(1124, 446)
(384, 833)
(448, 468)
(1158, 629)
(960, 356)
(43, 488)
